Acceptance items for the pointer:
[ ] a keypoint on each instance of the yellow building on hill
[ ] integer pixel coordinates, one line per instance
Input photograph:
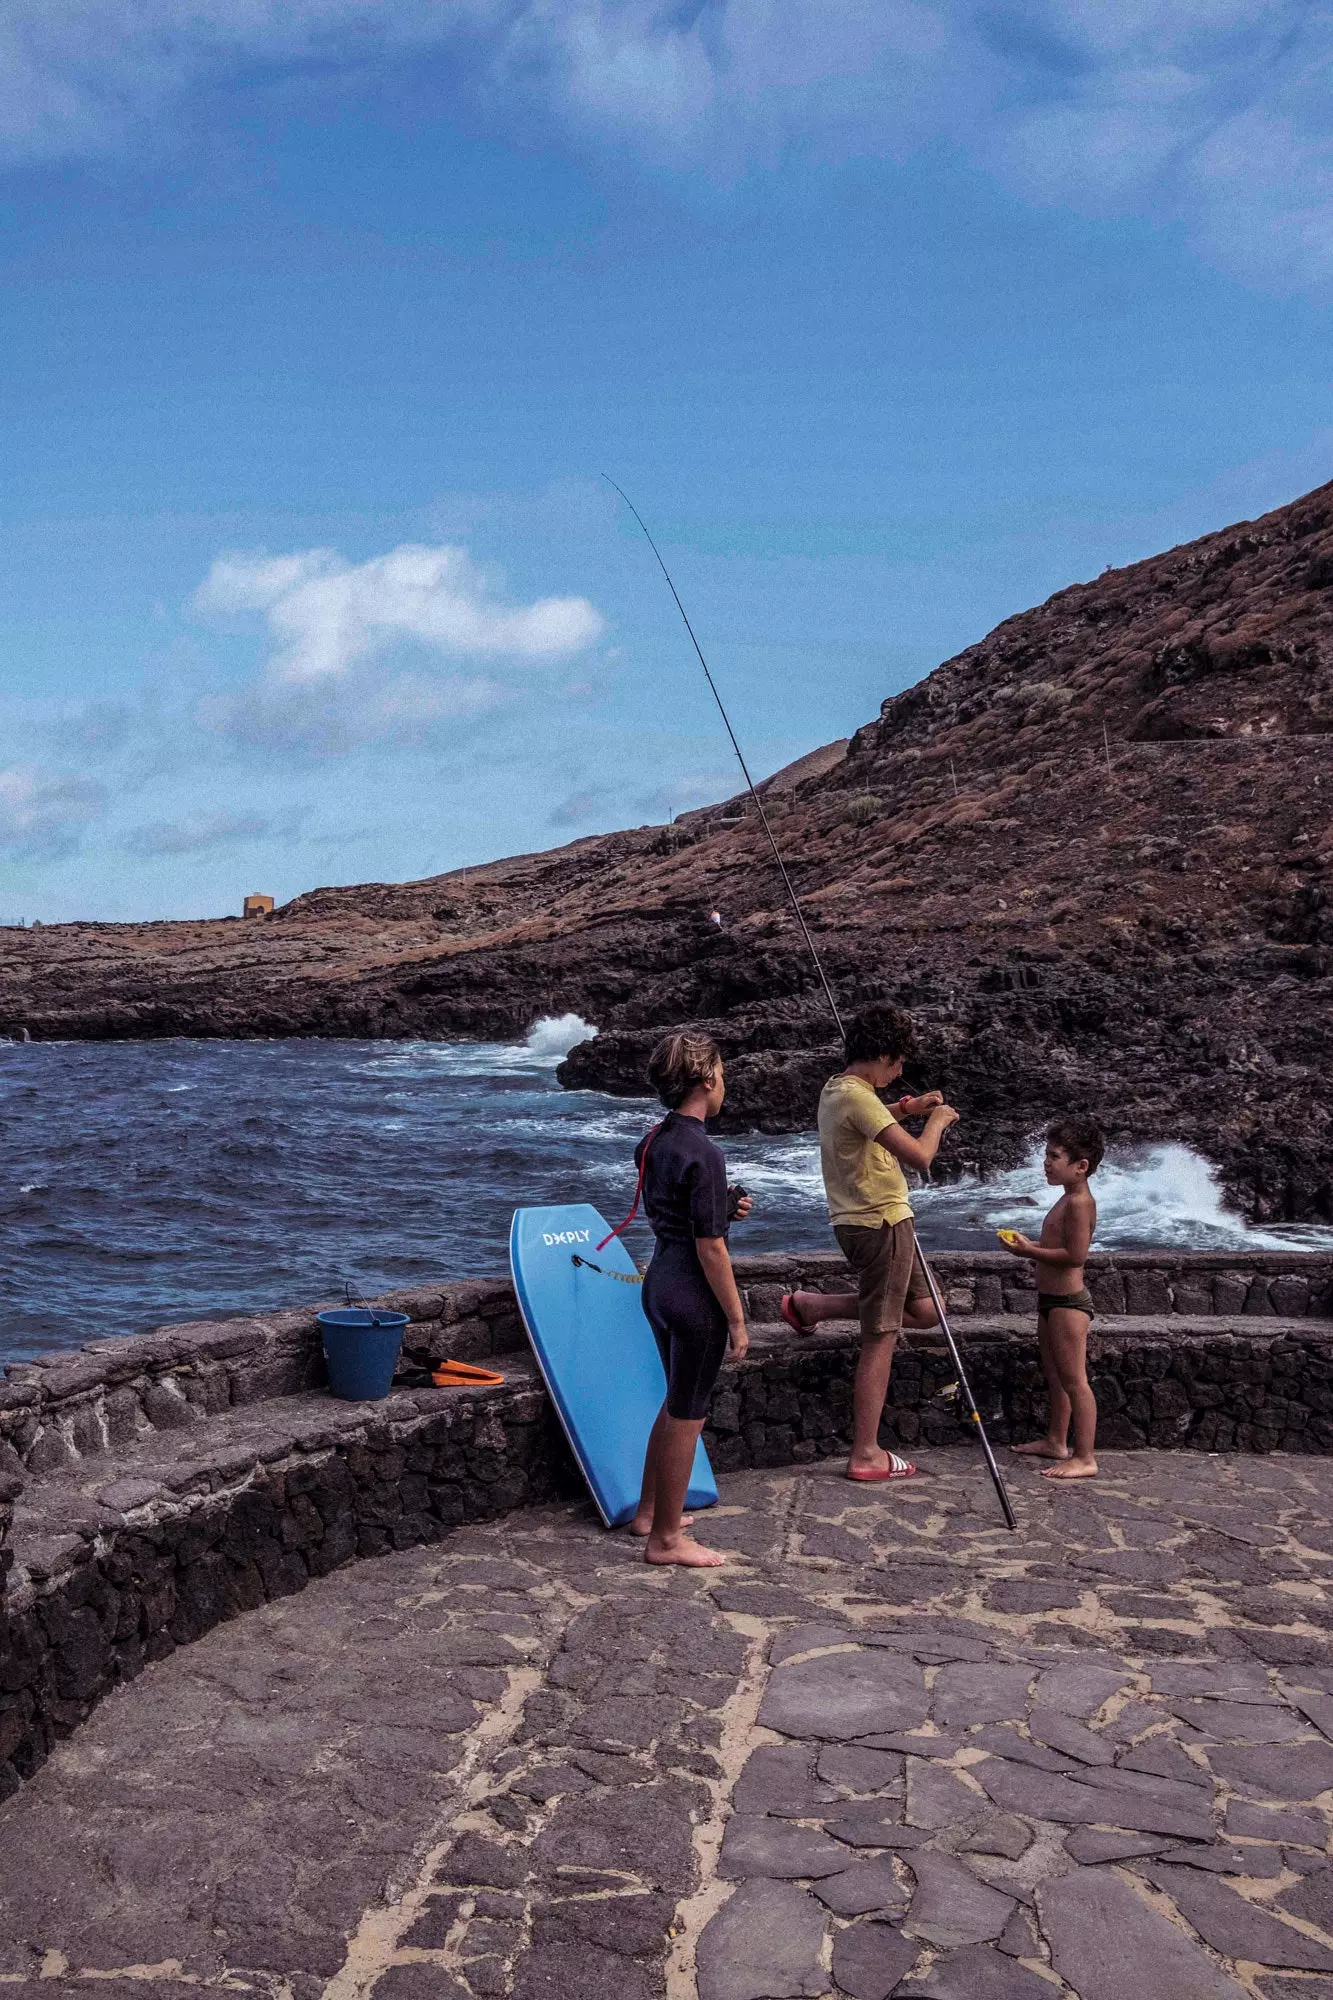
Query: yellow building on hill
(257, 906)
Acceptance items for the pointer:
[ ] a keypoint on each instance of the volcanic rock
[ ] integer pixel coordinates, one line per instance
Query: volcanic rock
(1092, 853)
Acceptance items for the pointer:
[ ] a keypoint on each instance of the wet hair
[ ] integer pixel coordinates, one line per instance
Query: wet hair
(679, 1063)
(1079, 1139)
(879, 1031)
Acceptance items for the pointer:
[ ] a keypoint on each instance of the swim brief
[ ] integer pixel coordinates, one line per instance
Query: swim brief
(1079, 1302)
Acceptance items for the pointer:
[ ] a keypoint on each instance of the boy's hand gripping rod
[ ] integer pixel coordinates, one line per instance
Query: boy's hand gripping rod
(964, 1386)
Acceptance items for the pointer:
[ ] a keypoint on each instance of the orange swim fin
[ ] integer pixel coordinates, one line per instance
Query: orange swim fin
(462, 1375)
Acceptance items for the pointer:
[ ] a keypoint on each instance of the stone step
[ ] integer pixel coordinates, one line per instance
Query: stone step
(222, 1452)
(63, 1409)
(1121, 1327)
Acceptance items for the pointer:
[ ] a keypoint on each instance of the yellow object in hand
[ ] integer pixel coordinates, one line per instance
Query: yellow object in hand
(1009, 1236)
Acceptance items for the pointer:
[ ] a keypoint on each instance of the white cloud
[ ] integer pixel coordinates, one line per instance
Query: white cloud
(1216, 113)
(327, 616)
(44, 815)
(1219, 112)
(82, 76)
(389, 649)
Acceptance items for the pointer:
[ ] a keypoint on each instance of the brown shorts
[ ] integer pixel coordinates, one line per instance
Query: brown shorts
(888, 1272)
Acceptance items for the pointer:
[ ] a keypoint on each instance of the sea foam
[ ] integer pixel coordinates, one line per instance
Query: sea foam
(555, 1035)
(1167, 1195)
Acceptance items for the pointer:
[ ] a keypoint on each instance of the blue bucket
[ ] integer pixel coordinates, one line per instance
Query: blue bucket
(361, 1348)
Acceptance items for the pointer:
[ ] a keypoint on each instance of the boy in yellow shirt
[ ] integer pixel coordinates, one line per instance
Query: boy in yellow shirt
(863, 1150)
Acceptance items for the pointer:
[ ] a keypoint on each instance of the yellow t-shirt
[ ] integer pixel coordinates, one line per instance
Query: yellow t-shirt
(864, 1184)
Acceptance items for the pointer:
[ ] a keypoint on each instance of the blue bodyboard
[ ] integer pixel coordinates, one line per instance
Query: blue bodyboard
(596, 1351)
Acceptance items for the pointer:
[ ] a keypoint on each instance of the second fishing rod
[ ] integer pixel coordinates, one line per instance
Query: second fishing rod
(967, 1399)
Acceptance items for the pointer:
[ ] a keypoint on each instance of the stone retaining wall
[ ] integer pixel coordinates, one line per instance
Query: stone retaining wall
(1219, 1386)
(66, 1407)
(124, 1574)
(1208, 1284)
(223, 1478)
(124, 1577)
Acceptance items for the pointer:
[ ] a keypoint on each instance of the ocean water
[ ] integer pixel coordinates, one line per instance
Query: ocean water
(146, 1182)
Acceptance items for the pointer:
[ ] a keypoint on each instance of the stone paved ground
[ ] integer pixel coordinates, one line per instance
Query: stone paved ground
(891, 1749)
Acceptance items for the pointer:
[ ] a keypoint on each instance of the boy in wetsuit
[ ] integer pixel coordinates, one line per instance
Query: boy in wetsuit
(1074, 1149)
(689, 1290)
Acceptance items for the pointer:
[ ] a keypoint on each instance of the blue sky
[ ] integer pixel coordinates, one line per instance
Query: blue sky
(320, 321)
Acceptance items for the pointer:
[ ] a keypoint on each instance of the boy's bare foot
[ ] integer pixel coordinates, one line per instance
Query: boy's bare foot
(642, 1524)
(1042, 1448)
(1073, 1468)
(682, 1549)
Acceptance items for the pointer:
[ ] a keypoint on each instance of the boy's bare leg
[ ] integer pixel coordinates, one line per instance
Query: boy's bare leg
(667, 1541)
(1055, 1444)
(643, 1517)
(1069, 1350)
(871, 1387)
(812, 1307)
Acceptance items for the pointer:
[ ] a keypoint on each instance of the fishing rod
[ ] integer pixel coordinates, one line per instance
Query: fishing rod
(740, 758)
(964, 1386)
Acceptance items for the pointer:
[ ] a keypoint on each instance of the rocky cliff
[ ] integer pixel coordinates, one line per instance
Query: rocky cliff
(1092, 853)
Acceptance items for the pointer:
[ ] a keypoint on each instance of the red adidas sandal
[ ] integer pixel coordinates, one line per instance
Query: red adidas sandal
(897, 1468)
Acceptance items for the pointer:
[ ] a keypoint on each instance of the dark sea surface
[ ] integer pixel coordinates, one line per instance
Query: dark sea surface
(147, 1182)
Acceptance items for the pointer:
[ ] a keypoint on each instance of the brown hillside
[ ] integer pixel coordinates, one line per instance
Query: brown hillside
(1150, 939)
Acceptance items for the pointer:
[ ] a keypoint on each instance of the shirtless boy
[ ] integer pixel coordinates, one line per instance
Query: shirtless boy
(1074, 1148)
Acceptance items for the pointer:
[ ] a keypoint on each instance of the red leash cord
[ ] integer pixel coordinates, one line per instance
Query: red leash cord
(638, 1192)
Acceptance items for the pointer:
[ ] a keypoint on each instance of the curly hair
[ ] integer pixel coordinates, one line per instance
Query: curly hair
(1079, 1139)
(879, 1031)
(679, 1063)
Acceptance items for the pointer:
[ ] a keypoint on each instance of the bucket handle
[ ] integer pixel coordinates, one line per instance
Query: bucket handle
(353, 1300)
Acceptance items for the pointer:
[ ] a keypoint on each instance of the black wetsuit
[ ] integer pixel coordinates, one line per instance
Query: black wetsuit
(684, 1196)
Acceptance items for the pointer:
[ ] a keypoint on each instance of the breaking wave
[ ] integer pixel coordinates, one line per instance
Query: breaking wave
(1163, 1195)
(555, 1035)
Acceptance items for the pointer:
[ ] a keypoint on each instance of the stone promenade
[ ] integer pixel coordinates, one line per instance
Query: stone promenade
(890, 1749)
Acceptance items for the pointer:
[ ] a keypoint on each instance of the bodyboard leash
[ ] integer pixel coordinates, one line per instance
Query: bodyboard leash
(633, 1209)
(621, 1277)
